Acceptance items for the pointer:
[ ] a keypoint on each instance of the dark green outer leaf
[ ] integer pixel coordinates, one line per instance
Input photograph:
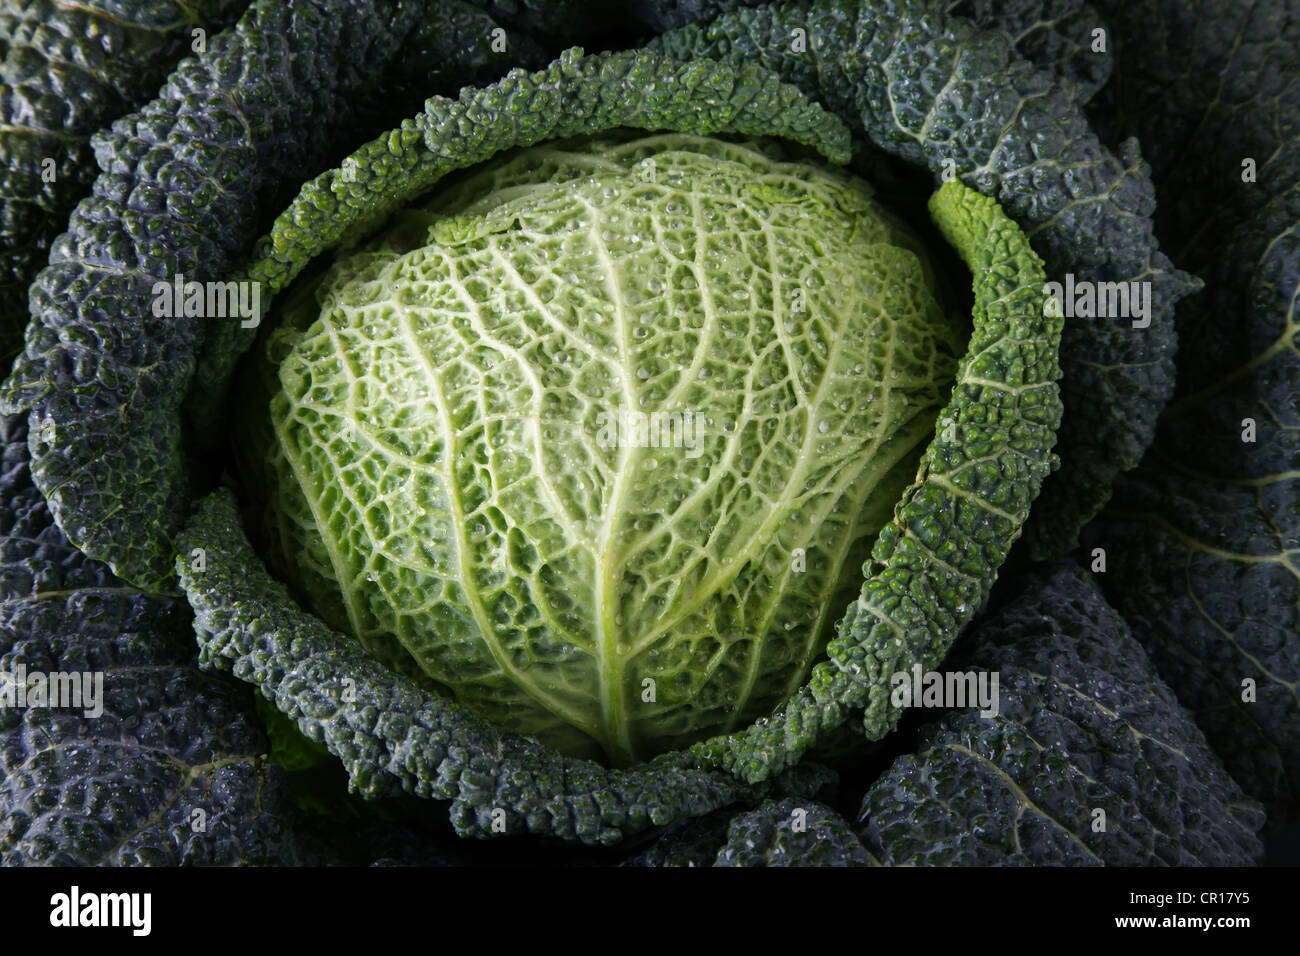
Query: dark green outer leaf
(687, 843)
(1084, 725)
(931, 89)
(1203, 541)
(185, 181)
(792, 833)
(572, 96)
(69, 70)
(1055, 34)
(122, 788)
(789, 832)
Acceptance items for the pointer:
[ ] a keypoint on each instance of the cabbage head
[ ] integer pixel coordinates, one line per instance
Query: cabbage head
(599, 437)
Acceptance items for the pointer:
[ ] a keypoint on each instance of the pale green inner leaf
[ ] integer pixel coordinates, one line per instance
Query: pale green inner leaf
(599, 438)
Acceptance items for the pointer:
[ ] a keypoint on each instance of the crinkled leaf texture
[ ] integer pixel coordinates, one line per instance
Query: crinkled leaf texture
(171, 772)
(186, 184)
(708, 558)
(1085, 728)
(1202, 541)
(1058, 35)
(939, 92)
(786, 832)
(67, 71)
(1051, 33)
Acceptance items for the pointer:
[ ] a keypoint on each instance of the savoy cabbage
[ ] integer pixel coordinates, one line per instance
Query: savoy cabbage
(611, 436)
(599, 447)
